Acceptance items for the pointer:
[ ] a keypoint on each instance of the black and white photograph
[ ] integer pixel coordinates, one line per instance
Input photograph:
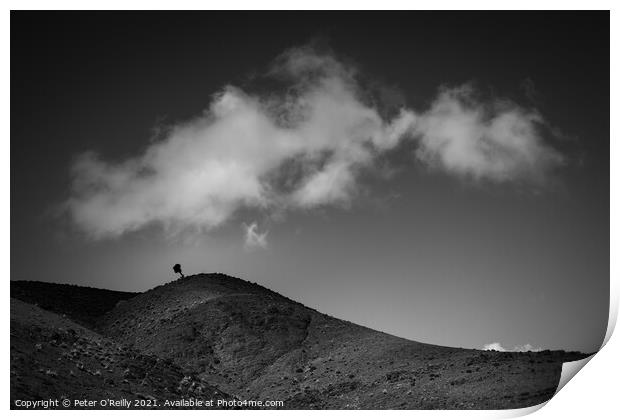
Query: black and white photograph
(306, 210)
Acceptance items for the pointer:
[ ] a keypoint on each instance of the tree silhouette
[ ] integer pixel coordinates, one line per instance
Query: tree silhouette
(177, 269)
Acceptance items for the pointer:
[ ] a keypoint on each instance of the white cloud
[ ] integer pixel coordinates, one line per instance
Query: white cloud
(493, 346)
(522, 348)
(301, 149)
(206, 169)
(254, 238)
(496, 141)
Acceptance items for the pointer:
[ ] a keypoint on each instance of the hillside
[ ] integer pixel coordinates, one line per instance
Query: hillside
(252, 343)
(53, 357)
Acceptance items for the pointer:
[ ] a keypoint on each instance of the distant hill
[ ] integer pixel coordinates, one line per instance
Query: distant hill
(242, 339)
(82, 304)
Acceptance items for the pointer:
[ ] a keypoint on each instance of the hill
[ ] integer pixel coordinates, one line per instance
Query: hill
(247, 341)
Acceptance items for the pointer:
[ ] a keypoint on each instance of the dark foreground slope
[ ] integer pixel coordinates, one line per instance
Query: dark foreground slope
(53, 357)
(255, 344)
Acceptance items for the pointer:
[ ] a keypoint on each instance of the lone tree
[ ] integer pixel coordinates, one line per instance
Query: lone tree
(177, 269)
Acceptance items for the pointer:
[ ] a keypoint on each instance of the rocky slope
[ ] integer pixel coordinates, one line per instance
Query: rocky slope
(247, 341)
(53, 357)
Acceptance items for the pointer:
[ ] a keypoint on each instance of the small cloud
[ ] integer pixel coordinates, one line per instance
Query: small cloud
(521, 348)
(493, 346)
(254, 238)
(495, 141)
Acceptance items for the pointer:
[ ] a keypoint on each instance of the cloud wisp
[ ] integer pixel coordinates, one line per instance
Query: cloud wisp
(254, 238)
(302, 148)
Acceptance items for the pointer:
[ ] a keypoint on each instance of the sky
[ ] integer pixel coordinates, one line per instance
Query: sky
(443, 177)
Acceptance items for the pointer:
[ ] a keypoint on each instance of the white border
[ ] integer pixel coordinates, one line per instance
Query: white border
(593, 394)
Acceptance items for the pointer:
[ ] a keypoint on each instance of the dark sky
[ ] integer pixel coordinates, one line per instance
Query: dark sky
(421, 254)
